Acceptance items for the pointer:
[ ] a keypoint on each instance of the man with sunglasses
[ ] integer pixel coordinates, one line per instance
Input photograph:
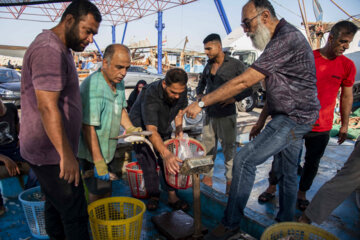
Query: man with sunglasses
(288, 67)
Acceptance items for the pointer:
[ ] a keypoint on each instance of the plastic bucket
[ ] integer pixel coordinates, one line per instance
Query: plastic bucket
(33, 206)
(117, 218)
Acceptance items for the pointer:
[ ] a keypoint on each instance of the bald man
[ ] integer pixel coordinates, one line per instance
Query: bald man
(104, 110)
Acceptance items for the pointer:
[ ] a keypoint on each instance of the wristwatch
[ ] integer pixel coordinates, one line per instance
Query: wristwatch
(201, 104)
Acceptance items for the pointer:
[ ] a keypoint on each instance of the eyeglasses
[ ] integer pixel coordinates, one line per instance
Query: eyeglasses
(246, 23)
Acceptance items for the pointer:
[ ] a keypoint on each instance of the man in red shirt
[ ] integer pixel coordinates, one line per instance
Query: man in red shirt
(333, 71)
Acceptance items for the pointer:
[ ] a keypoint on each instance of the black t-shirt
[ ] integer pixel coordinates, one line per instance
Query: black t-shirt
(8, 122)
(151, 108)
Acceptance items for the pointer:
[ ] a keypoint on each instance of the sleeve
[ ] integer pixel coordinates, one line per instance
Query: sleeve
(240, 68)
(48, 69)
(202, 83)
(122, 87)
(350, 72)
(277, 53)
(150, 110)
(91, 99)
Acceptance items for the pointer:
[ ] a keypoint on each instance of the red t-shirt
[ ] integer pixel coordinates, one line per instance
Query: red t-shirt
(331, 75)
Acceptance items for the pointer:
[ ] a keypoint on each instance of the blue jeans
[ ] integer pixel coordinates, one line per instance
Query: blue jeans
(281, 138)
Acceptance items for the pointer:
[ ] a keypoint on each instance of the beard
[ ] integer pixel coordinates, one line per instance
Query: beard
(72, 38)
(168, 100)
(261, 37)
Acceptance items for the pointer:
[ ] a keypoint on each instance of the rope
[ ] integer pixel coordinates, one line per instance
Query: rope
(345, 11)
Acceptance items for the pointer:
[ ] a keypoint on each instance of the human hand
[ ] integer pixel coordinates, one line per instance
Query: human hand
(133, 129)
(227, 102)
(69, 169)
(192, 110)
(342, 135)
(11, 166)
(255, 130)
(101, 170)
(172, 162)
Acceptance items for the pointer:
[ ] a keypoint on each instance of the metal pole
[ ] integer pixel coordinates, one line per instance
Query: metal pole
(160, 26)
(197, 207)
(113, 30)
(97, 46)
(122, 40)
(223, 16)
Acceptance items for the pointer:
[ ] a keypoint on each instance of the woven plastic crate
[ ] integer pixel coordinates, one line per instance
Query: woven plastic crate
(117, 218)
(180, 181)
(33, 207)
(298, 231)
(136, 180)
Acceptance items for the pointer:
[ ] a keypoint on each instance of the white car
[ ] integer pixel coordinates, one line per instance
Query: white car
(136, 73)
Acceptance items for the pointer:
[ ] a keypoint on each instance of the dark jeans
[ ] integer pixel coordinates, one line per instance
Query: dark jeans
(281, 138)
(148, 164)
(315, 143)
(65, 205)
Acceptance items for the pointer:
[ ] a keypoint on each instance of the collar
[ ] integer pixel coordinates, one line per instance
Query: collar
(281, 23)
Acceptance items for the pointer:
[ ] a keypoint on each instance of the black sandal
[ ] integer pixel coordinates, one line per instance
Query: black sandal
(302, 204)
(266, 197)
(179, 205)
(152, 204)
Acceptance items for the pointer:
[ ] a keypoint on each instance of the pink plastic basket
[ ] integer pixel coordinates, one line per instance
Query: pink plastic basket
(136, 180)
(180, 181)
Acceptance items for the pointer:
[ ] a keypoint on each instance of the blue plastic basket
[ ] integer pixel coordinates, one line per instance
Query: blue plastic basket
(34, 212)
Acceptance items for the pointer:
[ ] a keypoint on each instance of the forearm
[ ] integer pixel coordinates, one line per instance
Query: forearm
(157, 141)
(233, 87)
(179, 121)
(92, 142)
(125, 119)
(263, 115)
(345, 109)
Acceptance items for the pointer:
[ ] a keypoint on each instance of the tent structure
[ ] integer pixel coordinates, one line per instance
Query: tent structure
(114, 12)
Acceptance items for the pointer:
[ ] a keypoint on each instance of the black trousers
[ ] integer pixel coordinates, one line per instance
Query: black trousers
(65, 205)
(148, 164)
(315, 144)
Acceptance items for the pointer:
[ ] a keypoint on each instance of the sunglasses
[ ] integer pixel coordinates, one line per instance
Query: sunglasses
(246, 23)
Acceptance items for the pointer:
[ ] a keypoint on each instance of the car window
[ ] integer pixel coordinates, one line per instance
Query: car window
(5, 76)
(16, 76)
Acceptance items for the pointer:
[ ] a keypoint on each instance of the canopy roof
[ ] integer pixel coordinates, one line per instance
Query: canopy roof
(114, 12)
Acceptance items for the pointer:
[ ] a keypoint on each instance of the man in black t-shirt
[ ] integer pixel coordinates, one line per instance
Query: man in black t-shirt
(9, 148)
(158, 104)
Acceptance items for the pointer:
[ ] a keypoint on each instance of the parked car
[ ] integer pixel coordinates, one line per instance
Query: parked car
(136, 73)
(257, 99)
(10, 86)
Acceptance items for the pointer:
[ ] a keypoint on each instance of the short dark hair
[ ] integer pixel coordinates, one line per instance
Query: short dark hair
(176, 75)
(110, 50)
(346, 26)
(264, 4)
(80, 8)
(212, 37)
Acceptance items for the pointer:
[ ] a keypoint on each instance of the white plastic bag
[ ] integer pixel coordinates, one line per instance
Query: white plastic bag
(184, 148)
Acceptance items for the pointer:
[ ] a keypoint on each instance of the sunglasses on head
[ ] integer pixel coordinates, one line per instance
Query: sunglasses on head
(246, 23)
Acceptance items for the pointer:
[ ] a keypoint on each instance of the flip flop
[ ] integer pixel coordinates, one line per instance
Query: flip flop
(266, 197)
(179, 204)
(302, 204)
(152, 204)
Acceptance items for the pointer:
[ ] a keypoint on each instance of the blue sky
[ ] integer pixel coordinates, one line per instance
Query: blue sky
(195, 20)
